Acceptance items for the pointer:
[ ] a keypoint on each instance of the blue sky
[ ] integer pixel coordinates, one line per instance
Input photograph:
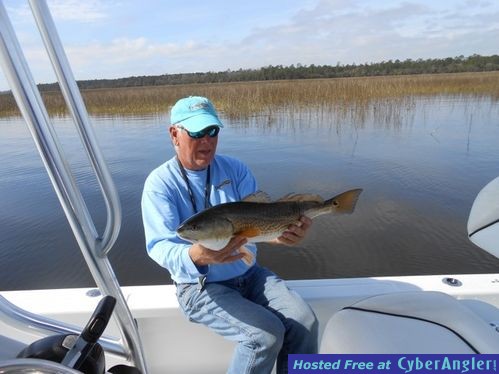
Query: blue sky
(120, 38)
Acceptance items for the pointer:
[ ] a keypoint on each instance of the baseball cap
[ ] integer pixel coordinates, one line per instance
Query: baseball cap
(194, 113)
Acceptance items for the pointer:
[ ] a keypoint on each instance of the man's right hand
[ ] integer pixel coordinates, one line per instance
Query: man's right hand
(203, 256)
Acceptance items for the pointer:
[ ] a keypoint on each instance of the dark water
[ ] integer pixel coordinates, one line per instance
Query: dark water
(420, 162)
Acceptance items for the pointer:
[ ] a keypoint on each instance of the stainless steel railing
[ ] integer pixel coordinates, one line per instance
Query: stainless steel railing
(19, 318)
(93, 246)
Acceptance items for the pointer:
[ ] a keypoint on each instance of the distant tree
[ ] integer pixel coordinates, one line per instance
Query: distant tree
(457, 64)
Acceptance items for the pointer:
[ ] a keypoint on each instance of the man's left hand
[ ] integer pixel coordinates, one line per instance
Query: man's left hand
(295, 232)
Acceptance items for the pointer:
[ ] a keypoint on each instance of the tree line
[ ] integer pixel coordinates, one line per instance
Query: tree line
(474, 63)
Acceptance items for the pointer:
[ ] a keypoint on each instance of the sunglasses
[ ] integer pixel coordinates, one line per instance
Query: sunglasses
(211, 131)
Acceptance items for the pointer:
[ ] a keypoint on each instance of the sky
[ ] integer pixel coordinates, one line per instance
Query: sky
(122, 38)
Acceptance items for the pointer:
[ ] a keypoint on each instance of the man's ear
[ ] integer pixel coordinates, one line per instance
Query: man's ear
(174, 133)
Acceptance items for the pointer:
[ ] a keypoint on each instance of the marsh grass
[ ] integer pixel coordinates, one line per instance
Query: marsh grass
(241, 100)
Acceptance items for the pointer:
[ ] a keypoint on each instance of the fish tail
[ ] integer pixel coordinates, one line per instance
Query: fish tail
(343, 203)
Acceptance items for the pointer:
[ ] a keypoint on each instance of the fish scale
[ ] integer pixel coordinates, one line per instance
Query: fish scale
(268, 218)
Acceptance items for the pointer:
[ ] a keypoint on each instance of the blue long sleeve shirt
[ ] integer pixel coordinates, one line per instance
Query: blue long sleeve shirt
(166, 204)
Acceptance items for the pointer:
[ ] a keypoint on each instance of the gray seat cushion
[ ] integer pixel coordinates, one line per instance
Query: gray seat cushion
(410, 322)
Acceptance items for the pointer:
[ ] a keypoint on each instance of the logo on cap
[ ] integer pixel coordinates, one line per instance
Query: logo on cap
(200, 105)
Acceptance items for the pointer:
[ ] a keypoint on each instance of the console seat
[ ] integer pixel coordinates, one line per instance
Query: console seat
(413, 322)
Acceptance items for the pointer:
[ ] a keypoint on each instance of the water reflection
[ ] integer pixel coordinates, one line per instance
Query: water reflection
(389, 114)
(421, 162)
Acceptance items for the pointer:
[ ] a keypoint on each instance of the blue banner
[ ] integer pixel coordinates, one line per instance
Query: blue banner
(393, 363)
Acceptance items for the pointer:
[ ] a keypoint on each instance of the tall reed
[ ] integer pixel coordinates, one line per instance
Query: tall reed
(245, 99)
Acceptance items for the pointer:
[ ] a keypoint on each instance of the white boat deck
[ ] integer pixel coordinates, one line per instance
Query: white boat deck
(174, 344)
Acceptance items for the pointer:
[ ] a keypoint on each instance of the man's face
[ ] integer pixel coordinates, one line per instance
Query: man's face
(194, 154)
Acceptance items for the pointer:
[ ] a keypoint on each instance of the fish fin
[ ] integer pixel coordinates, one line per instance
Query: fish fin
(345, 202)
(286, 197)
(247, 255)
(249, 232)
(257, 197)
(302, 197)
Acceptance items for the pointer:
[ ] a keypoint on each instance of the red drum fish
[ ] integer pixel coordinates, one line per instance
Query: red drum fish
(259, 219)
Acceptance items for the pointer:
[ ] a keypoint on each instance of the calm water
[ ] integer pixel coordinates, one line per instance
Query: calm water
(420, 163)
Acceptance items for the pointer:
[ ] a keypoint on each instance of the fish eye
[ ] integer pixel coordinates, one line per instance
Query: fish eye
(335, 203)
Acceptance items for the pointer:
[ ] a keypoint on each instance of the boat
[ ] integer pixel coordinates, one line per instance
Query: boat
(71, 330)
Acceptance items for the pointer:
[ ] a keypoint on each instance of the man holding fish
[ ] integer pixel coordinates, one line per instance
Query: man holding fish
(202, 215)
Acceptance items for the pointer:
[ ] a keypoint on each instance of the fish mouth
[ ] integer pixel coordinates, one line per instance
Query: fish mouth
(185, 237)
(186, 232)
(181, 231)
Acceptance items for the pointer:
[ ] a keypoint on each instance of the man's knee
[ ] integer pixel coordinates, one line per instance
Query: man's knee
(269, 339)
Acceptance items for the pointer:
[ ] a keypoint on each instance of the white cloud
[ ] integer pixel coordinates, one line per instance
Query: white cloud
(133, 56)
(362, 32)
(80, 11)
(65, 10)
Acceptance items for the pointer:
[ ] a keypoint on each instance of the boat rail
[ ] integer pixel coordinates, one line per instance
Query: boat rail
(94, 246)
(18, 317)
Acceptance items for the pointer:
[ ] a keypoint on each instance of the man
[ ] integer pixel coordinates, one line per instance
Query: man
(244, 303)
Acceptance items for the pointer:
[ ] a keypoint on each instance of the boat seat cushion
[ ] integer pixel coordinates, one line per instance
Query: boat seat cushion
(410, 322)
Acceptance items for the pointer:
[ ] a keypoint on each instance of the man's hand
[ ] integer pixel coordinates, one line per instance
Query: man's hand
(295, 232)
(203, 256)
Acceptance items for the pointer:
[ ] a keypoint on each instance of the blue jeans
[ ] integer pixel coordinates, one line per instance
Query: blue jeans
(260, 313)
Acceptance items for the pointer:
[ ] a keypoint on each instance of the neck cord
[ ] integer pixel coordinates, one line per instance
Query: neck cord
(207, 187)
